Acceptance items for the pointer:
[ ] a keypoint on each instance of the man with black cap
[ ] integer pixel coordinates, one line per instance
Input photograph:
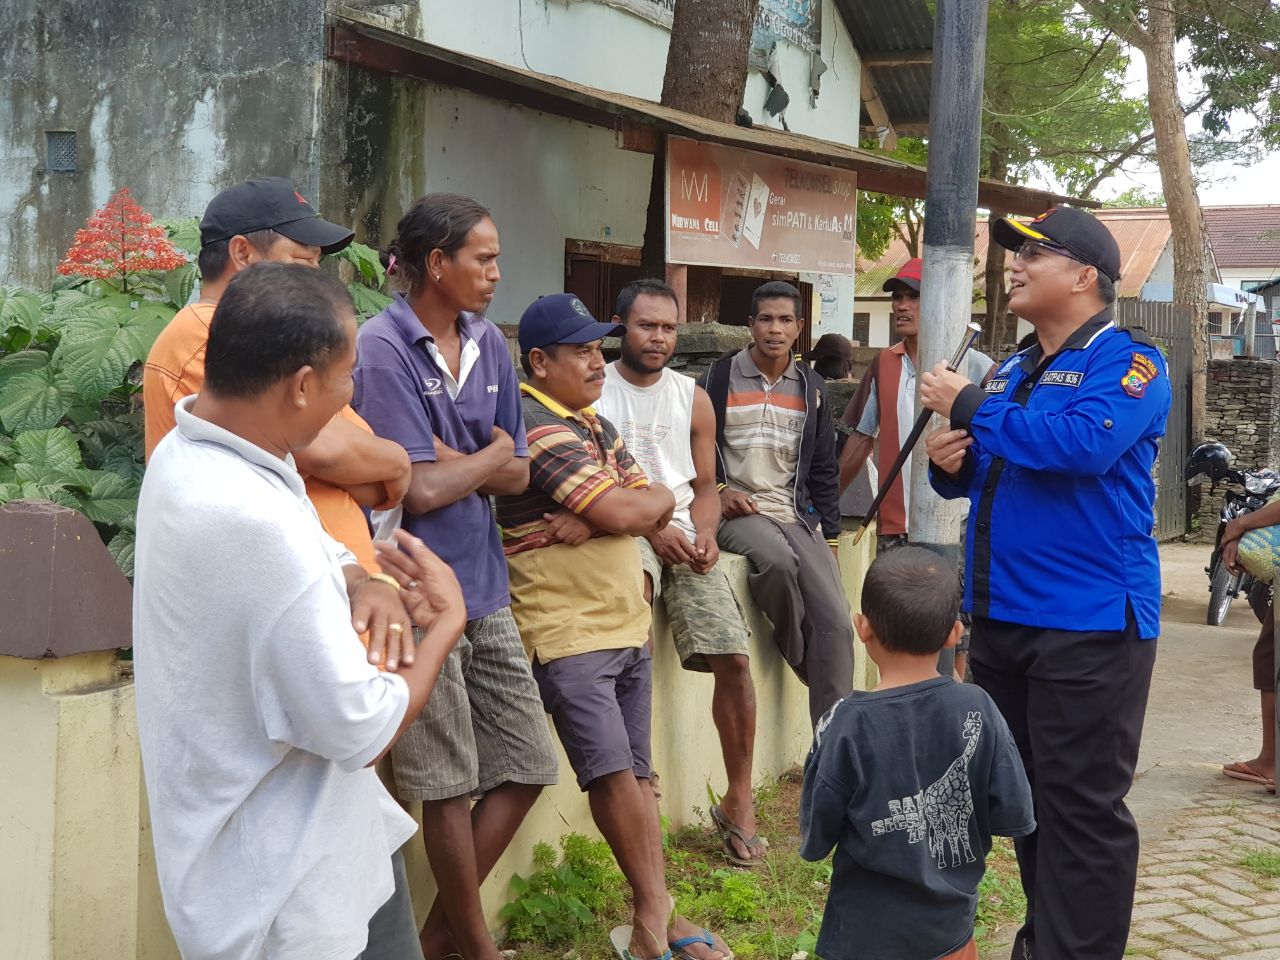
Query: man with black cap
(1055, 456)
(580, 605)
(346, 466)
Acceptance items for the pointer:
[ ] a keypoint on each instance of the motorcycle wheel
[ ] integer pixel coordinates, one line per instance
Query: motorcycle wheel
(1222, 588)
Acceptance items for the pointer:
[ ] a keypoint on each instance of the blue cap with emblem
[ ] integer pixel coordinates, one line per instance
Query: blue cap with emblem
(561, 318)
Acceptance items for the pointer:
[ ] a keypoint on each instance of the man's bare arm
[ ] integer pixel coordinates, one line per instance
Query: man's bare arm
(853, 456)
(453, 475)
(637, 513)
(345, 455)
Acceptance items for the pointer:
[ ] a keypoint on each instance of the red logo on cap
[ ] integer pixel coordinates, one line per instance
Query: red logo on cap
(1043, 215)
(301, 198)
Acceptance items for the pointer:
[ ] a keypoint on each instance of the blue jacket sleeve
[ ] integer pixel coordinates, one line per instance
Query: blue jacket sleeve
(1108, 412)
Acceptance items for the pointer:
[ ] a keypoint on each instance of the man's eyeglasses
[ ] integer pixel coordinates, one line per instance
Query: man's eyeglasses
(1032, 250)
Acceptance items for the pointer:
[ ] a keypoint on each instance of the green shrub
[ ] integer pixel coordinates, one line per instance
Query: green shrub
(557, 903)
(71, 427)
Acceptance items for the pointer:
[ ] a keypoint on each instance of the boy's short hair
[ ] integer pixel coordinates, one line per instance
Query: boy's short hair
(912, 598)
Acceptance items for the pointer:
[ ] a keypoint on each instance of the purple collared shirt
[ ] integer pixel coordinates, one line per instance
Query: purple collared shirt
(404, 396)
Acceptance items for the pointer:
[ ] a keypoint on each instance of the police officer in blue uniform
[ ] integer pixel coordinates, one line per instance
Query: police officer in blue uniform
(1055, 456)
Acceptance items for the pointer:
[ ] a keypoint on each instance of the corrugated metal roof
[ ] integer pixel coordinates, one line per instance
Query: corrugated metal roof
(903, 26)
(1245, 236)
(1141, 234)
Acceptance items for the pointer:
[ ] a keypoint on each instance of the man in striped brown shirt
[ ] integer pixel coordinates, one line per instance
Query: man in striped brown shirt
(577, 592)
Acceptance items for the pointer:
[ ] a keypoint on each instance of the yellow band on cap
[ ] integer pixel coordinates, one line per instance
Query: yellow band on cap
(1026, 231)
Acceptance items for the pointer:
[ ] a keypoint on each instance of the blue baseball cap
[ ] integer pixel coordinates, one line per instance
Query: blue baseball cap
(561, 318)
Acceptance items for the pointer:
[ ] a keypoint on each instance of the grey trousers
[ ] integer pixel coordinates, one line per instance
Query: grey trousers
(795, 582)
(393, 934)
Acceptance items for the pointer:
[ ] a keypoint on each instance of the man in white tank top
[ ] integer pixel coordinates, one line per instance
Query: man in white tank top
(667, 423)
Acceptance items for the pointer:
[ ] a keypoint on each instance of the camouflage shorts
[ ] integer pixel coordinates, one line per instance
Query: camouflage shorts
(704, 614)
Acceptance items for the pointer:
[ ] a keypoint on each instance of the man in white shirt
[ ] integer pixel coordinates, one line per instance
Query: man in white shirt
(667, 423)
(259, 714)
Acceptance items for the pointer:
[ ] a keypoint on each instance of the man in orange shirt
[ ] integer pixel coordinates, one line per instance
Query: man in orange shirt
(346, 467)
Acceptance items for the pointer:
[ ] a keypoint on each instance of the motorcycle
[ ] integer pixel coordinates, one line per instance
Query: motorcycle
(1213, 461)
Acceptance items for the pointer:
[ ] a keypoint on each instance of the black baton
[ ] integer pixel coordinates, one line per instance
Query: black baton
(972, 332)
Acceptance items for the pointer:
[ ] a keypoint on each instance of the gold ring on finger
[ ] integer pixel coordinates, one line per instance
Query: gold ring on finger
(396, 628)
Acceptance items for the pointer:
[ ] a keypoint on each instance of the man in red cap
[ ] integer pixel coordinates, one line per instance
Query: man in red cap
(885, 405)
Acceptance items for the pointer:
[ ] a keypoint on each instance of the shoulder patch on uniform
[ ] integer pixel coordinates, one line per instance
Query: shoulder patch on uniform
(1142, 370)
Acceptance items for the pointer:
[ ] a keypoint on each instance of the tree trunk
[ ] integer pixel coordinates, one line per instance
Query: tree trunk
(997, 332)
(706, 75)
(1190, 272)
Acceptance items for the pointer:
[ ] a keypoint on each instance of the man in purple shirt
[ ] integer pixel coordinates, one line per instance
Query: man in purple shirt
(435, 376)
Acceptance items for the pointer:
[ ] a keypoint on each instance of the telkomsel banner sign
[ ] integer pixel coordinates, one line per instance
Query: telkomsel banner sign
(736, 208)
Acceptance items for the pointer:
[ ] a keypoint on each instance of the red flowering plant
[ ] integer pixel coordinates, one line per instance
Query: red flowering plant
(70, 365)
(120, 240)
(71, 360)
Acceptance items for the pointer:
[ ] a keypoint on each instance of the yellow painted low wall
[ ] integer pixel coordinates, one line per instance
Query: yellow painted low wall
(78, 877)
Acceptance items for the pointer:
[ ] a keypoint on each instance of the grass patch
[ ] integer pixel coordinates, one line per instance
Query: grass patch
(1001, 902)
(1264, 863)
(571, 902)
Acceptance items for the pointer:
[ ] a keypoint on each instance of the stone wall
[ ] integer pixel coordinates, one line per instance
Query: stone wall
(1243, 412)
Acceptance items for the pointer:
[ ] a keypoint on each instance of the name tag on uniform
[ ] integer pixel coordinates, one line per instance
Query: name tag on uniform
(996, 386)
(1062, 378)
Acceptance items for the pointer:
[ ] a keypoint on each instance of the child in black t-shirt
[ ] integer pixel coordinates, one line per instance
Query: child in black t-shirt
(909, 781)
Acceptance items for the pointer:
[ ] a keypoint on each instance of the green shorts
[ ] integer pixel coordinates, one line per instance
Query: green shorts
(704, 614)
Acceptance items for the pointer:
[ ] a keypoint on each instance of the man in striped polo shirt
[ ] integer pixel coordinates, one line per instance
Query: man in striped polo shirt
(779, 490)
(577, 592)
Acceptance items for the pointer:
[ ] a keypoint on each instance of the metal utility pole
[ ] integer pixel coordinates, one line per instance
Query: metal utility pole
(950, 209)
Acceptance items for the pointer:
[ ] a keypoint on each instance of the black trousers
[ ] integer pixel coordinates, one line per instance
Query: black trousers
(1075, 703)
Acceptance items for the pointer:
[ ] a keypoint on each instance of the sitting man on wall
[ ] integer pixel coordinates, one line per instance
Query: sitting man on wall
(259, 717)
(667, 423)
(346, 467)
(778, 476)
(581, 610)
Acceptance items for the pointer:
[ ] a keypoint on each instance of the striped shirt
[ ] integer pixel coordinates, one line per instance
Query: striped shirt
(575, 458)
(763, 424)
(562, 605)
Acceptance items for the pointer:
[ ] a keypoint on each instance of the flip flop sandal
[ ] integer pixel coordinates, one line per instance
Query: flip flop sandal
(678, 946)
(1242, 771)
(620, 937)
(729, 831)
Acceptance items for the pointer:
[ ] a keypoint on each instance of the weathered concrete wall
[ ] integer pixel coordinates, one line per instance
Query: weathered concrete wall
(68, 840)
(173, 100)
(1243, 411)
(546, 179)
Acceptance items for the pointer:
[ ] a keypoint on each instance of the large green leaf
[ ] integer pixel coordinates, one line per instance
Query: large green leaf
(36, 399)
(365, 260)
(52, 491)
(20, 309)
(184, 233)
(23, 361)
(106, 497)
(98, 347)
(121, 547)
(55, 451)
(179, 283)
(368, 302)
